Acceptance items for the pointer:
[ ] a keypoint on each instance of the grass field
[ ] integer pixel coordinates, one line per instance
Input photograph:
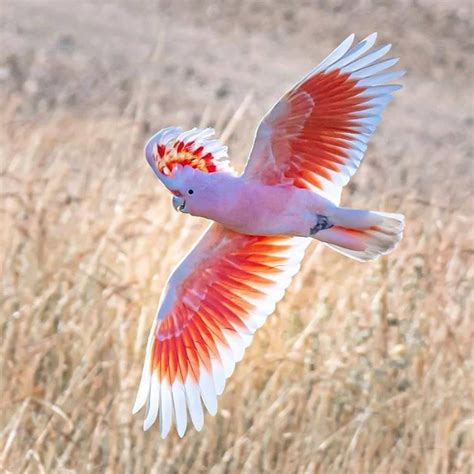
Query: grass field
(362, 368)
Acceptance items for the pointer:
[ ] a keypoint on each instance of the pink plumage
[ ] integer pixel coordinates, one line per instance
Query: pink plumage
(306, 149)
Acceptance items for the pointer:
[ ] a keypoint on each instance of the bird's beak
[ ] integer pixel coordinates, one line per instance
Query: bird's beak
(179, 204)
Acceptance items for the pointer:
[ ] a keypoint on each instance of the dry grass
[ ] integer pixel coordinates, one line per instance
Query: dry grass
(363, 368)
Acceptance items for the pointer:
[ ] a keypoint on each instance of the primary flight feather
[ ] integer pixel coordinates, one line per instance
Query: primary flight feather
(306, 149)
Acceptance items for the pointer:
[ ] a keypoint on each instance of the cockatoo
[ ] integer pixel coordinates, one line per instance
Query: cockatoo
(305, 150)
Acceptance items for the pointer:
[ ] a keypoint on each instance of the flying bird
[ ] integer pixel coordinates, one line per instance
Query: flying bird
(305, 151)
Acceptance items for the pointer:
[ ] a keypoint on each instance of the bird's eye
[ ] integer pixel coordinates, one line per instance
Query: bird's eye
(190, 191)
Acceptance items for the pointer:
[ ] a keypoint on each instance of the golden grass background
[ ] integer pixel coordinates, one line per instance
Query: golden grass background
(362, 368)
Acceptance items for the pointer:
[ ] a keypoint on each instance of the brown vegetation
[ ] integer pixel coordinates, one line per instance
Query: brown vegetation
(362, 368)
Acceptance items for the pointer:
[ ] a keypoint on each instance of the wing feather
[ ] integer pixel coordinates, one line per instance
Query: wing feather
(219, 295)
(316, 135)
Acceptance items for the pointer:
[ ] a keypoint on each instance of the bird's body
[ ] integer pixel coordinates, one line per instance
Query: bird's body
(306, 149)
(253, 208)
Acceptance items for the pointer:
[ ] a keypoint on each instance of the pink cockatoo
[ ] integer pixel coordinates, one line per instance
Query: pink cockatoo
(306, 149)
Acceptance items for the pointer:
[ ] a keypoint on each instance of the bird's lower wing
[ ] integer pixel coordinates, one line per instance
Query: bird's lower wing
(216, 299)
(316, 135)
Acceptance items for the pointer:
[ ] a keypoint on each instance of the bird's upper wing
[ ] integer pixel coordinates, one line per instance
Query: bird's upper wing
(215, 300)
(316, 135)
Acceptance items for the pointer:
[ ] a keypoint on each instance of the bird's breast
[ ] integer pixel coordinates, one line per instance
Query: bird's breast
(257, 209)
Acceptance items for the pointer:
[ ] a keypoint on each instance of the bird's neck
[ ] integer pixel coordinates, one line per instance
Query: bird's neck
(221, 199)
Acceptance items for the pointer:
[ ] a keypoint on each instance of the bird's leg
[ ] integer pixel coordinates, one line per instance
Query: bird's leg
(322, 223)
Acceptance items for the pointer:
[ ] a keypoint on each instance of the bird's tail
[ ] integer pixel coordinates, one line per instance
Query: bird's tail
(363, 235)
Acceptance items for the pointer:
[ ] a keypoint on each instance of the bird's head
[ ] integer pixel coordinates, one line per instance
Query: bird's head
(189, 187)
(184, 162)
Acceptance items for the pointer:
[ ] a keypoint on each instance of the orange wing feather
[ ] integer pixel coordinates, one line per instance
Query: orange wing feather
(316, 135)
(232, 284)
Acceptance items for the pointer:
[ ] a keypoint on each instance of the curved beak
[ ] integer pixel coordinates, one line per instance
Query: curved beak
(179, 204)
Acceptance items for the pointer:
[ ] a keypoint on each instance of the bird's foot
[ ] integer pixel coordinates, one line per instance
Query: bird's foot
(322, 223)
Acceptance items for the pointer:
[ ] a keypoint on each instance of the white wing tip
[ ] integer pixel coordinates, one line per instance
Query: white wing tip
(347, 43)
(147, 424)
(143, 390)
(199, 427)
(137, 406)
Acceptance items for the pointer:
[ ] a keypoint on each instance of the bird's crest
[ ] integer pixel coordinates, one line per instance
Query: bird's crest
(171, 147)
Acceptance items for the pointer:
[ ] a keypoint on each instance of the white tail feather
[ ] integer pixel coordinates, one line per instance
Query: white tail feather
(364, 235)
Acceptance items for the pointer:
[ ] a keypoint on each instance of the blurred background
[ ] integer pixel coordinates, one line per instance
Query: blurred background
(363, 368)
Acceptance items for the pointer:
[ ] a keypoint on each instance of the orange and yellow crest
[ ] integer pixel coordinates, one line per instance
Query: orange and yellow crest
(172, 146)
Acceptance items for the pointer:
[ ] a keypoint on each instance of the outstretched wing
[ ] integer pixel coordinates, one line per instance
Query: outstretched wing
(215, 300)
(316, 135)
